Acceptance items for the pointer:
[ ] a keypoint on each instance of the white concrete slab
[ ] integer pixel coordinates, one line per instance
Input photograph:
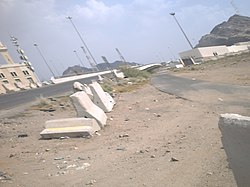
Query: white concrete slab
(77, 86)
(86, 108)
(71, 127)
(101, 98)
(235, 131)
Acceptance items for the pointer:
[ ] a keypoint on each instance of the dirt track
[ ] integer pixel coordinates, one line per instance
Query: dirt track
(152, 139)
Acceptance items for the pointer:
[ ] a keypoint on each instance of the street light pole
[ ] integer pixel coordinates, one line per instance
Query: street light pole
(44, 59)
(85, 45)
(173, 14)
(77, 56)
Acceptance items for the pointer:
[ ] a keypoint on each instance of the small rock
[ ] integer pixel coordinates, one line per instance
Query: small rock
(123, 135)
(130, 108)
(11, 155)
(155, 100)
(47, 150)
(147, 109)
(121, 149)
(209, 173)
(97, 133)
(59, 158)
(64, 137)
(220, 99)
(173, 159)
(152, 156)
(22, 135)
(91, 182)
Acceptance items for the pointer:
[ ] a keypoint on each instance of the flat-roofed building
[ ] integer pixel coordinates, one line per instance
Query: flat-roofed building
(16, 76)
(202, 54)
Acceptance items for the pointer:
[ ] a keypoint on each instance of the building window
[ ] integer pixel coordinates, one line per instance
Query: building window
(2, 76)
(13, 74)
(30, 80)
(5, 82)
(215, 53)
(17, 80)
(25, 72)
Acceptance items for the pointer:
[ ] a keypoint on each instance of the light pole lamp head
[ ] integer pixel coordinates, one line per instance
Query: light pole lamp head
(172, 13)
(68, 17)
(35, 44)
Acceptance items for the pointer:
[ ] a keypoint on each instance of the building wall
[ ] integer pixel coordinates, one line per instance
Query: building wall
(14, 77)
(237, 48)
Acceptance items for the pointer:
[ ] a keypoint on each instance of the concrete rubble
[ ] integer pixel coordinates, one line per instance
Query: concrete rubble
(101, 98)
(235, 130)
(70, 127)
(86, 108)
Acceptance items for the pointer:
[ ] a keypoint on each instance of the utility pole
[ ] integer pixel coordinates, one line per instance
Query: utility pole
(39, 51)
(173, 14)
(94, 66)
(77, 56)
(109, 67)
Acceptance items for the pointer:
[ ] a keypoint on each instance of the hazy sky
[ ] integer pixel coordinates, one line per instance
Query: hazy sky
(142, 30)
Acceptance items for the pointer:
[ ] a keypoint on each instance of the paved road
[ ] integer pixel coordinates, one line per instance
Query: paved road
(15, 99)
(195, 89)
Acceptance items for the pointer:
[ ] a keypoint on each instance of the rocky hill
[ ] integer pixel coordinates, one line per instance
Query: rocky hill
(236, 29)
(77, 70)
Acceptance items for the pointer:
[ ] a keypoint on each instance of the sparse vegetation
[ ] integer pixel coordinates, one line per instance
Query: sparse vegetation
(134, 80)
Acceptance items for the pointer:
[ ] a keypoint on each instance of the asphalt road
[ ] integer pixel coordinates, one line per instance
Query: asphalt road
(12, 100)
(186, 88)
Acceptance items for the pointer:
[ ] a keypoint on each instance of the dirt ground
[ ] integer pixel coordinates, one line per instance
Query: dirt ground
(151, 139)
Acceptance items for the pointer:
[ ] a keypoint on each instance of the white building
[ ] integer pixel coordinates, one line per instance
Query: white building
(201, 54)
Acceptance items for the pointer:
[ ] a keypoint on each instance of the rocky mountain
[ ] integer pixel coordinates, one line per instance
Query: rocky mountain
(77, 70)
(236, 29)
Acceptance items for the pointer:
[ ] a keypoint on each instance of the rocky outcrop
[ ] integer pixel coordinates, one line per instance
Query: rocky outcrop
(236, 29)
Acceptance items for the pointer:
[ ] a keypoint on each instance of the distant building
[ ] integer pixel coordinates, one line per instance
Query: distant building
(202, 54)
(15, 76)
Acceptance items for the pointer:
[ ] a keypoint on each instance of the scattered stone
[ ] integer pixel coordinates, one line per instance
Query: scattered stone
(220, 99)
(126, 119)
(97, 133)
(84, 166)
(11, 155)
(141, 151)
(209, 173)
(123, 135)
(157, 115)
(47, 150)
(4, 176)
(173, 159)
(91, 182)
(147, 109)
(121, 149)
(22, 135)
(130, 108)
(152, 156)
(59, 158)
(155, 100)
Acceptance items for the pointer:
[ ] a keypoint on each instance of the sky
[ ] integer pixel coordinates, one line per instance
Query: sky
(142, 30)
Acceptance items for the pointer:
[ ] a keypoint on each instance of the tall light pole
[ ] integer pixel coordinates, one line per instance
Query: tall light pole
(85, 45)
(173, 14)
(44, 59)
(77, 56)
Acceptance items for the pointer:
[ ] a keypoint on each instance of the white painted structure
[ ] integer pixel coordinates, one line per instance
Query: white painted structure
(100, 98)
(235, 131)
(86, 108)
(70, 127)
(201, 54)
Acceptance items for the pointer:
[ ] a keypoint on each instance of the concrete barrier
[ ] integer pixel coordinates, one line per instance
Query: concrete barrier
(77, 86)
(235, 131)
(86, 108)
(101, 98)
(71, 127)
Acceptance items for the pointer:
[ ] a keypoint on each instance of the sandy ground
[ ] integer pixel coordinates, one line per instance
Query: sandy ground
(151, 139)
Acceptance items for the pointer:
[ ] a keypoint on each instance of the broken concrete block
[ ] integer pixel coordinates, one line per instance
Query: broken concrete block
(86, 108)
(77, 86)
(235, 131)
(101, 98)
(70, 127)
